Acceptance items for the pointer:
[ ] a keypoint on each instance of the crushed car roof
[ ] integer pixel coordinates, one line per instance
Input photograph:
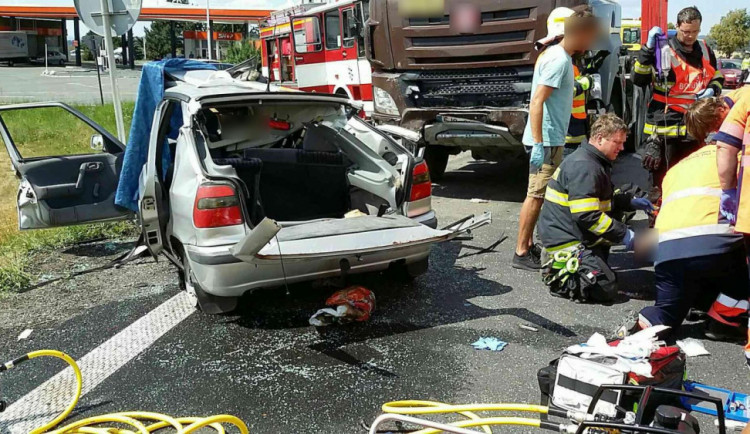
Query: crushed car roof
(207, 84)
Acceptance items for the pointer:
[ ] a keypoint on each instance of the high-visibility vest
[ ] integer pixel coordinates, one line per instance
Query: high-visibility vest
(689, 80)
(743, 189)
(689, 221)
(579, 101)
(745, 63)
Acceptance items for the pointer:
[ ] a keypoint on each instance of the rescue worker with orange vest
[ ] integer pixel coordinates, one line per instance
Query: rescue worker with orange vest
(734, 137)
(699, 255)
(578, 119)
(689, 72)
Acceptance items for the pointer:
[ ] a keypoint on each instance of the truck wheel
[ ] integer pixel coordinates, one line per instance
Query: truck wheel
(10, 63)
(437, 161)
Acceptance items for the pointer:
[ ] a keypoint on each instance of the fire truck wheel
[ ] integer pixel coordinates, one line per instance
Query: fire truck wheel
(437, 160)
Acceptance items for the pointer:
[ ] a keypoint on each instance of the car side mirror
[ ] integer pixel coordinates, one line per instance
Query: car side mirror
(97, 142)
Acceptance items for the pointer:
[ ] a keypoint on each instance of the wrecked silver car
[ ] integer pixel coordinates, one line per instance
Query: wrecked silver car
(259, 189)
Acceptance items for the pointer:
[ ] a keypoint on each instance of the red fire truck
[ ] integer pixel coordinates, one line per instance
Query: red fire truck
(319, 48)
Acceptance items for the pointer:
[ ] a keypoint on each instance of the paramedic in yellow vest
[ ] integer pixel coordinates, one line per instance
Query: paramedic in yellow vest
(698, 253)
(733, 140)
(691, 73)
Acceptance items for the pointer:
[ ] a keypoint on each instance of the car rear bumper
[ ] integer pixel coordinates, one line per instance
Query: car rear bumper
(428, 219)
(221, 274)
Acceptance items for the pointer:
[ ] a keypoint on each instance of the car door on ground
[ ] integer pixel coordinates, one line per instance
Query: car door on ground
(68, 165)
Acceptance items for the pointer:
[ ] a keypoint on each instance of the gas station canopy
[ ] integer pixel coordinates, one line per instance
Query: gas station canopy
(193, 10)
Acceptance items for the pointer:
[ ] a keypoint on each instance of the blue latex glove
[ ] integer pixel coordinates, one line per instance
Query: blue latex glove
(642, 204)
(728, 205)
(537, 155)
(629, 240)
(708, 93)
(652, 35)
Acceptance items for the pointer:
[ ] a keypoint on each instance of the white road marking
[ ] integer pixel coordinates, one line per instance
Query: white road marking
(49, 399)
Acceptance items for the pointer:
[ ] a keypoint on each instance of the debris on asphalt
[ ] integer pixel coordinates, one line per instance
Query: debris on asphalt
(475, 200)
(354, 213)
(355, 303)
(528, 327)
(693, 347)
(490, 343)
(24, 334)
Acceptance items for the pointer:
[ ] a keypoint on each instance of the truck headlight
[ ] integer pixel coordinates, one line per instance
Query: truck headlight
(384, 103)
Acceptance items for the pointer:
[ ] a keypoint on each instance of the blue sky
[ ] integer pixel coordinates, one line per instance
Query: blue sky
(711, 11)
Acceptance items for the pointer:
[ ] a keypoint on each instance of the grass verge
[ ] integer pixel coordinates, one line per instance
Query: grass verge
(47, 132)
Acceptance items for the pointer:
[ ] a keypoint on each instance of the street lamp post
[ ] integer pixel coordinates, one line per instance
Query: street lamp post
(209, 34)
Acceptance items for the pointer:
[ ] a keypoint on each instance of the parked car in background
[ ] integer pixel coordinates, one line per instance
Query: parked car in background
(258, 190)
(732, 72)
(54, 57)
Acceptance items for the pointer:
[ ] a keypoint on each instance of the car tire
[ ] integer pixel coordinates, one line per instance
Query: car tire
(200, 299)
(437, 161)
(408, 272)
(62, 63)
(11, 63)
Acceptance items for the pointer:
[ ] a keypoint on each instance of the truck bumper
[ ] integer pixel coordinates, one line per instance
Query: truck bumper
(470, 128)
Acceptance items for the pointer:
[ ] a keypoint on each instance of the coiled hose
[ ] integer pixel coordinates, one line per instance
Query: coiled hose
(142, 422)
(414, 407)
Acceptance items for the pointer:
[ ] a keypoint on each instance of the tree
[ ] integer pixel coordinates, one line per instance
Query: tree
(159, 40)
(671, 26)
(241, 51)
(733, 32)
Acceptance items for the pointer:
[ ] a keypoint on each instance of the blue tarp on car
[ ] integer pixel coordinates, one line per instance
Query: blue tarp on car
(150, 94)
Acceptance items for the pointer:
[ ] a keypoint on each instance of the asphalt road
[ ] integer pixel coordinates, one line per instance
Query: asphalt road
(71, 84)
(266, 365)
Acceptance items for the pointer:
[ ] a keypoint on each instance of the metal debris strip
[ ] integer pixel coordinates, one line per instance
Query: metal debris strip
(51, 397)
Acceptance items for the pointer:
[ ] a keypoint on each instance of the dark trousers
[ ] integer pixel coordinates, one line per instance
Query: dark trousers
(682, 283)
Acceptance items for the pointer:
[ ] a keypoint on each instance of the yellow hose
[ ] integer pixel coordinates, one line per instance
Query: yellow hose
(416, 407)
(487, 421)
(133, 419)
(432, 407)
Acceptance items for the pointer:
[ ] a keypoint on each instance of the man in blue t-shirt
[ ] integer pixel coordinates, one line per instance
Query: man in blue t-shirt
(549, 114)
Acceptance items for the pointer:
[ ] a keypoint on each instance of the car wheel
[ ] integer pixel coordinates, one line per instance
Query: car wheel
(437, 161)
(10, 63)
(62, 63)
(408, 272)
(200, 299)
(186, 282)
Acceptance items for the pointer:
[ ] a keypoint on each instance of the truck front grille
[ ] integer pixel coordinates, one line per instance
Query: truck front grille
(501, 87)
(513, 14)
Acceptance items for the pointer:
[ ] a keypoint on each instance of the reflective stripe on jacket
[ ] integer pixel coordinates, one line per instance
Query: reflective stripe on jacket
(689, 222)
(578, 202)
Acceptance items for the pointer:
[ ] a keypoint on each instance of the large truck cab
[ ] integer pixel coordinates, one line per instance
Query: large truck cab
(469, 91)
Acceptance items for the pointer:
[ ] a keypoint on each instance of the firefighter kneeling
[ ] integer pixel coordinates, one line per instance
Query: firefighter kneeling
(577, 224)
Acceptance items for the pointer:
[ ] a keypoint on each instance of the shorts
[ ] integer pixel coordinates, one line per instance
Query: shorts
(539, 177)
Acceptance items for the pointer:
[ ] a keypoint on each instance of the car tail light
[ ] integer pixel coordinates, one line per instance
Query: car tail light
(362, 114)
(421, 187)
(216, 205)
